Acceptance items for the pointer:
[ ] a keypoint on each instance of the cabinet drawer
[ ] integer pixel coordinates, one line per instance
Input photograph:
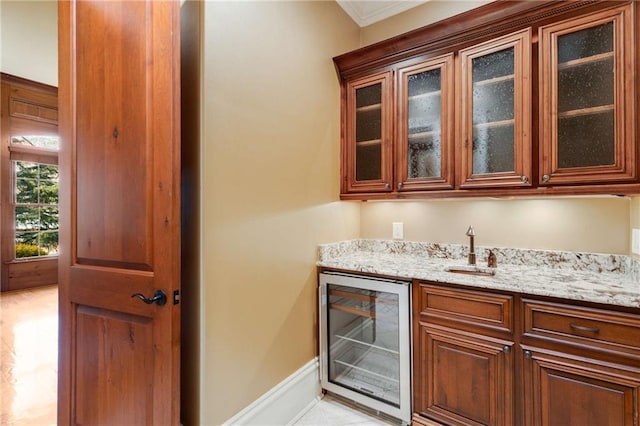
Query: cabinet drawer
(576, 324)
(466, 307)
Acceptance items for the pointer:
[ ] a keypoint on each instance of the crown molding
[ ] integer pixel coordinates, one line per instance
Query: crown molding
(365, 13)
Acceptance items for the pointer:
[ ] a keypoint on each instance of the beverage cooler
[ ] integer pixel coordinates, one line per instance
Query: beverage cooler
(365, 341)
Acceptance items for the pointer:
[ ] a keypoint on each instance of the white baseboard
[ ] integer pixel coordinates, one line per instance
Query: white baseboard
(285, 402)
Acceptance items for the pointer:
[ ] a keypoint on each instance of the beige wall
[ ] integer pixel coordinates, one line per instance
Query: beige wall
(270, 182)
(425, 14)
(634, 216)
(29, 40)
(578, 224)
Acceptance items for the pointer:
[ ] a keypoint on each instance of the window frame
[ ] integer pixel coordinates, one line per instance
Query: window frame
(26, 108)
(35, 155)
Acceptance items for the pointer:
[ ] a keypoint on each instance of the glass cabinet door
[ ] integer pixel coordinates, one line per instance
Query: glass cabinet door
(369, 154)
(425, 125)
(586, 109)
(495, 112)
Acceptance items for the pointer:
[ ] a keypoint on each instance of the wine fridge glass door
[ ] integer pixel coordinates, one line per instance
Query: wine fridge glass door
(366, 342)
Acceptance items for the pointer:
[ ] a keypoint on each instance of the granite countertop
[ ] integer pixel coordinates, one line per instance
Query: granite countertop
(600, 278)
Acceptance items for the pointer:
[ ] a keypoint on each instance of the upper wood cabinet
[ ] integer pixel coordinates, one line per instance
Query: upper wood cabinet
(508, 99)
(495, 123)
(367, 150)
(587, 98)
(425, 125)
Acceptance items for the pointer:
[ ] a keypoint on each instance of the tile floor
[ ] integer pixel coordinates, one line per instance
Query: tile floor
(28, 368)
(333, 411)
(28, 357)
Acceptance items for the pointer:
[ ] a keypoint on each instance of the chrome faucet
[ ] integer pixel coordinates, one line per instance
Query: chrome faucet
(472, 255)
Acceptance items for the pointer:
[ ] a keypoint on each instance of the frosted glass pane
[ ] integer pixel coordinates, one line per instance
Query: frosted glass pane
(368, 162)
(369, 132)
(586, 93)
(369, 95)
(493, 149)
(424, 157)
(424, 124)
(587, 85)
(586, 140)
(585, 43)
(493, 112)
(368, 125)
(493, 102)
(494, 65)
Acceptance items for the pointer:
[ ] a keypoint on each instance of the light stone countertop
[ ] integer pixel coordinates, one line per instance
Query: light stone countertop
(600, 278)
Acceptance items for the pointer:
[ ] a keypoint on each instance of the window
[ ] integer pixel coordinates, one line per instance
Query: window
(28, 183)
(35, 189)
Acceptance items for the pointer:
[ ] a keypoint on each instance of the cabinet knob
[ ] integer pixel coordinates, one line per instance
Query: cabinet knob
(506, 349)
(528, 354)
(386, 185)
(400, 185)
(524, 179)
(545, 178)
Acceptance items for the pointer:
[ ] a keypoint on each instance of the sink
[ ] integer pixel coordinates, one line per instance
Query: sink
(471, 270)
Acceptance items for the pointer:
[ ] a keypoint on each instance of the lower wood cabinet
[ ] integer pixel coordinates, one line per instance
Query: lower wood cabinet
(562, 390)
(486, 357)
(466, 379)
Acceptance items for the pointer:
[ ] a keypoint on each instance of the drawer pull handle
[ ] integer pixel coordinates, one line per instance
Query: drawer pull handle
(576, 327)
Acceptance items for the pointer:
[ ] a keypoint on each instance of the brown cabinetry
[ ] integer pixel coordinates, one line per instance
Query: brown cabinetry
(495, 128)
(587, 98)
(562, 389)
(463, 356)
(544, 99)
(495, 358)
(581, 365)
(425, 125)
(367, 163)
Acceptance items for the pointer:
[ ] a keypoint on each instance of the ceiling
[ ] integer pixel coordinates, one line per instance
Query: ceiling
(367, 12)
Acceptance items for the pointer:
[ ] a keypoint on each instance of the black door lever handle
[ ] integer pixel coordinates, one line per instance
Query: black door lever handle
(159, 298)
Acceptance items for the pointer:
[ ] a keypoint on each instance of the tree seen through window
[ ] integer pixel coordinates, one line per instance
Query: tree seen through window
(36, 209)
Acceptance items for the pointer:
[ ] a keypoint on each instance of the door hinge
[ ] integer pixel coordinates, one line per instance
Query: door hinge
(176, 297)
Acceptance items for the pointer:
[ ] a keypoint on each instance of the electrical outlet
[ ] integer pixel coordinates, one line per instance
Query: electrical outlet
(635, 241)
(398, 231)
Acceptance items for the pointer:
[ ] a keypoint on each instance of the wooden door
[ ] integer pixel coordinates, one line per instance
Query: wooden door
(587, 99)
(120, 227)
(463, 378)
(564, 390)
(495, 112)
(425, 125)
(367, 154)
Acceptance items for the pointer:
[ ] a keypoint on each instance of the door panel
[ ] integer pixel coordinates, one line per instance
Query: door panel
(117, 342)
(115, 104)
(562, 389)
(120, 217)
(464, 378)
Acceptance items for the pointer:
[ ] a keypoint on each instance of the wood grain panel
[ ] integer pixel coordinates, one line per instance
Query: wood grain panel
(486, 310)
(120, 212)
(113, 365)
(565, 390)
(466, 379)
(108, 288)
(33, 273)
(33, 111)
(598, 328)
(113, 92)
